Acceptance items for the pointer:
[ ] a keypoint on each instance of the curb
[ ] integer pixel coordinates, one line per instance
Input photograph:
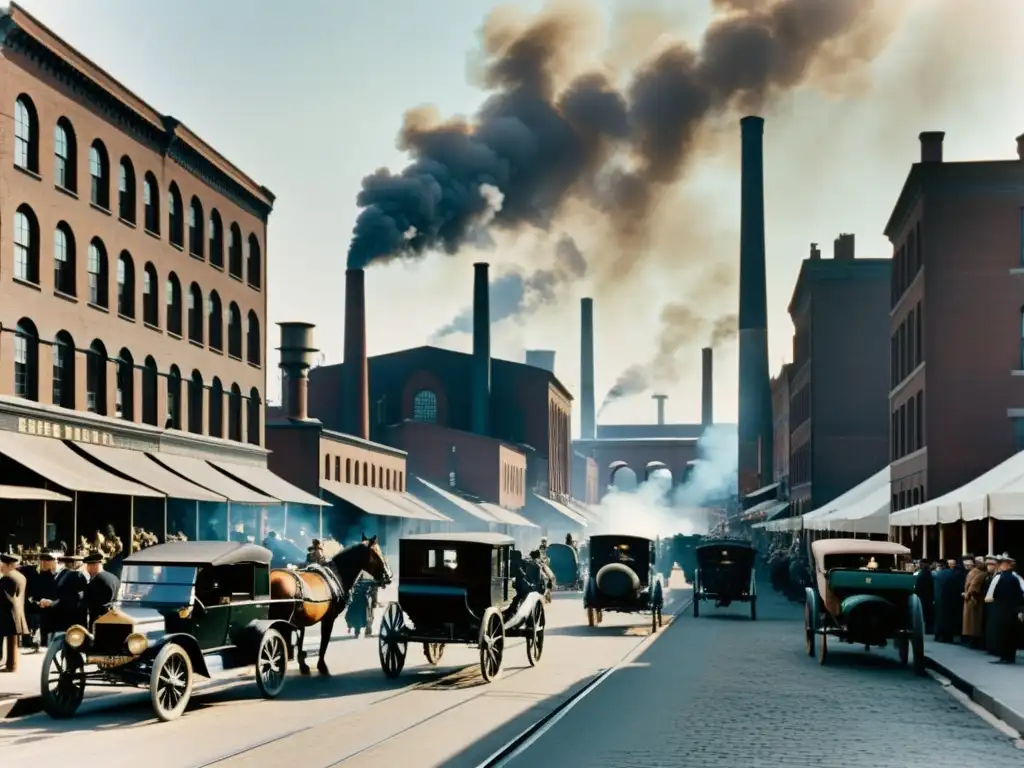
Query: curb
(984, 700)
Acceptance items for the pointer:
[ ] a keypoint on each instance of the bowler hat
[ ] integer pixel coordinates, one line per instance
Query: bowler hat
(64, 557)
(47, 554)
(93, 557)
(9, 559)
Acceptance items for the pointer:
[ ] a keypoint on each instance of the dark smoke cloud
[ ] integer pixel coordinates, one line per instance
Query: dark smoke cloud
(519, 295)
(534, 144)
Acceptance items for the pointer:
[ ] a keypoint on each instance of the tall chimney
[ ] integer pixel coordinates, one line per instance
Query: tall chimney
(815, 252)
(587, 425)
(843, 248)
(297, 352)
(481, 399)
(541, 358)
(356, 393)
(707, 413)
(661, 408)
(755, 400)
(931, 146)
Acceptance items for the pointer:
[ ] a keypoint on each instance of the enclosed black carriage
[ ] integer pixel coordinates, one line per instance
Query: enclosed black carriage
(622, 578)
(183, 609)
(564, 562)
(725, 574)
(460, 588)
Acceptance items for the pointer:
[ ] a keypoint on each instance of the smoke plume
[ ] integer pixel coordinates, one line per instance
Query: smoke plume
(547, 135)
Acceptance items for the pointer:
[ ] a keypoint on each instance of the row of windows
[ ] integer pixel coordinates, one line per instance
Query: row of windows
(907, 262)
(800, 465)
(65, 371)
(363, 473)
(210, 316)
(908, 498)
(907, 346)
(513, 479)
(800, 407)
(907, 427)
(200, 237)
(801, 348)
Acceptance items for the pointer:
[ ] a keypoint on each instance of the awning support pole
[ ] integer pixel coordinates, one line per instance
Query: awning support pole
(924, 541)
(942, 541)
(46, 543)
(229, 521)
(284, 526)
(74, 524)
(991, 536)
(321, 523)
(165, 519)
(131, 524)
(197, 520)
(963, 537)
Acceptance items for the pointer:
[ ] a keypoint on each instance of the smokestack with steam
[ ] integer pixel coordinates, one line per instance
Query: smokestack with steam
(481, 349)
(355, 395)
(755, 404)
(587, 426)
(661, 408)
(297, 352)
(541, 358)
(707, 412)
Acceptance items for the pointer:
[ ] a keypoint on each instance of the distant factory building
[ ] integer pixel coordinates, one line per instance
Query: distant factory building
(780, 418)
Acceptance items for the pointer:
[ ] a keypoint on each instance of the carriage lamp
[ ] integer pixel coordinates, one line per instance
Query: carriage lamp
(137, 643)
(76, 636)
(184, 613)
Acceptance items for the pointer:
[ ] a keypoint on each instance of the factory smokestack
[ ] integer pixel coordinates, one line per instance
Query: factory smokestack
(356, 395)
(541, 358)
(661, 408)
(481, 404)
(755, 412)
(707, 383)
(587, 427)
(297, 352)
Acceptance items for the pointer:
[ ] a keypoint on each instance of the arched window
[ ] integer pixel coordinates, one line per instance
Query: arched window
(65, 156)
(348, 470)
(98, 277)
(26, 360)
(150, 384)
(215, 314)
(424, 406)
(64, 370)
(26, 245)
(175, 220)
(150, 297)
(99, 173)
(195, 403)
(252, 416)
(124, 408)
(126, 190)
(254, 269)
(26, 134)
(64, 270)
(173, 300)
(126, 285)
(151, 203)
(235, 414)
(235, 251)
(234, 331)
(253, 342)
(373, 476)
(96, 378)
(195, 314)
(216, 239)
(173, 415)
(216, 428)
(195, 228)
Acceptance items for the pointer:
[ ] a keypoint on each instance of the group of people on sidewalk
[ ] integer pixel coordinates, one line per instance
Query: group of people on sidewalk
(976, 600)
(789, 570)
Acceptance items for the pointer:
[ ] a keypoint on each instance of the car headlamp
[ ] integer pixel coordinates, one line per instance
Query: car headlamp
(137, 643)
(76, 636)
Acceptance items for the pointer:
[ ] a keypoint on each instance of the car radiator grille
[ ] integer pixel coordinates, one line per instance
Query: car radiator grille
(109, 639)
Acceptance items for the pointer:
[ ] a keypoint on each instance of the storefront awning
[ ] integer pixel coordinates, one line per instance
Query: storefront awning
(267, 482)
(201, 473)
(142, 468)
(52, 459)
(761, 491)
(372, 503)
(406, 499)
(576, 517)
(503, 515)
(766, 510)
(22, 493)
(474, 510)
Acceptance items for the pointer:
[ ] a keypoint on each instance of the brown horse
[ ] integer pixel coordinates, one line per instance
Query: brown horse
(320, 592)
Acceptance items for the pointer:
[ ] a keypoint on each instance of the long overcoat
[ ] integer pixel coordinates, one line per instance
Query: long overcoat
(974, 603)
(12, 601)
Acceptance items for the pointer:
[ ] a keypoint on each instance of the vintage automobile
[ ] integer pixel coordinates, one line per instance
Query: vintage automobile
(183, 609)
(564, 563)
(725, 573)
(462, 588)
(622, 579)
(864, 595)
(679, 549)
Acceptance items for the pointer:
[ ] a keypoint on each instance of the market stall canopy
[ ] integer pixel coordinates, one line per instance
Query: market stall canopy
(1005, 502)
(54, 460)
(267, 482)
(406, 499)
(203, 474)
(474, 510)
(23, 493)
(576, 517)
(869, 515)
(138, 465)
(374, 503)
(880, 479)
(503, 515)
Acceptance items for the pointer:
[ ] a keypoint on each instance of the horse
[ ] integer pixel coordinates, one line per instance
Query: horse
(317, 594)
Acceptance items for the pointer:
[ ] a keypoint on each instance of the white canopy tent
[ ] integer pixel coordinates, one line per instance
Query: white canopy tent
(861, 491)
(1003, 503)
(869, 515)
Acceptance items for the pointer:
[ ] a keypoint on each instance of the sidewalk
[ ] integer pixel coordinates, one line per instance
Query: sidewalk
(998, 688)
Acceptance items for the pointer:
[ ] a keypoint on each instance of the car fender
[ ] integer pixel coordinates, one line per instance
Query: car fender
(812, 600)
(589, 593)
(190, 646)
(257, 628)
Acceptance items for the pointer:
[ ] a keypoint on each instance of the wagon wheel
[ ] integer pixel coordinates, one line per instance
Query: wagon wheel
(433, 652)
(170, 682)
(535, 625)
(62, 683)
(823, 648)
(391, 648)
(492, 645)
(271, 663)
(808, 630)
(591, 617)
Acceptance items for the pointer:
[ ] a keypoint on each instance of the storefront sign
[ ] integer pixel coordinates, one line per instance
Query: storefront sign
(45, 428)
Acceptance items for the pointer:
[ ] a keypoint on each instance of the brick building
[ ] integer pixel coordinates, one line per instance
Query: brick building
(780, 416)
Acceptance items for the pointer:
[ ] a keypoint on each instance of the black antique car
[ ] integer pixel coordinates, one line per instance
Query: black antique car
(622, 579)
(726, 574)
(462, 588)
(183, 609)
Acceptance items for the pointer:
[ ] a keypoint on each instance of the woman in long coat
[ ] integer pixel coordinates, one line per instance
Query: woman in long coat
(974, 604)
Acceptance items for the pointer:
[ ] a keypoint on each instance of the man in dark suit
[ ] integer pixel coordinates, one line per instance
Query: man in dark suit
(66, 608)
(12, 609)
(44, 587)
(101, 590)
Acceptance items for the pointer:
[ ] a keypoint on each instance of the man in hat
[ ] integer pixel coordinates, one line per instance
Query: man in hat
(316, 553)
(949, 607)
(1006, 596)
(12, 609)
(974, 603)
(991, 568)
(66, 608)
(44, 587)
(100, 591)
(924, 586)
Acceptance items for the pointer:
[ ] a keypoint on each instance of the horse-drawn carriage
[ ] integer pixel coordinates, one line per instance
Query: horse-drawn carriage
(564, 563)
(863, 595)
(622, 579)
(462, 588)
(725, 573)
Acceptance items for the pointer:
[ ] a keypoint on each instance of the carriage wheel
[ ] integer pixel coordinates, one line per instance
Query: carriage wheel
(391, 648)
(591, 617)
(808, 630)
(170, 682)
(433, 652)
(271, 664)
(823, 648)
(492, 645)
(62, 684)
(535, 625)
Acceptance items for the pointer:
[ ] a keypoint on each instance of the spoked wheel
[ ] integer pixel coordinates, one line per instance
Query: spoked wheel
(271, 664)
(433, 652)
(391, 648)
(492, 645)
(808, 630)
(62, 683)
(823, 648)
(170, 682)
(591, 617)
(535, 626)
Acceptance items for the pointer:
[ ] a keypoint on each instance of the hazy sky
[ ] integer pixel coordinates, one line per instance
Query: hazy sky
(307, 98)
